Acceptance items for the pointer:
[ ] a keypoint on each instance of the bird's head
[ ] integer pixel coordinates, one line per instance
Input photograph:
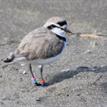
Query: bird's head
(57, 25)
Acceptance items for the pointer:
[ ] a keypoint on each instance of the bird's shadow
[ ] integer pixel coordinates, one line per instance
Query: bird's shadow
(70, 73)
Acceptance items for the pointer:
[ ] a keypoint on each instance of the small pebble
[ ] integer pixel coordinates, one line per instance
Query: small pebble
(39, 99)
(87, 51)
(24, 72)
(67, 95)
(39, 66)
(22, 64)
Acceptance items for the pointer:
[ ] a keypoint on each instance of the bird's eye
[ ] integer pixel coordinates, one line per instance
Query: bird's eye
(62, 23)
(51, 26)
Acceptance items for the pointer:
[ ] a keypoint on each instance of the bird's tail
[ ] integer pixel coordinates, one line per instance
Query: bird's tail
(10, 58)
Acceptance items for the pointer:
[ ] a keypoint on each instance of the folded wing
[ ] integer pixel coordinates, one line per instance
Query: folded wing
(40, 45)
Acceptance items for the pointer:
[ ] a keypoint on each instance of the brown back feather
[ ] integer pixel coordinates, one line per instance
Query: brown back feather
(40, 45)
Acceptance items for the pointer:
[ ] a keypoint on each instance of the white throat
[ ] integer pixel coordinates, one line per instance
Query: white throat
(59, 32)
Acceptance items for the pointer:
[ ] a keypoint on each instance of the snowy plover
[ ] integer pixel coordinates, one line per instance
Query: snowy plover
(42, 46)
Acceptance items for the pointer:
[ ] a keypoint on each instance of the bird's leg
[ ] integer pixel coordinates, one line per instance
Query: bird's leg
(42, 81)
(34, 81)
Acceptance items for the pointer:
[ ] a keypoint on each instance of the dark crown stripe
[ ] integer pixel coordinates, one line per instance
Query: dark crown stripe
(62, 23)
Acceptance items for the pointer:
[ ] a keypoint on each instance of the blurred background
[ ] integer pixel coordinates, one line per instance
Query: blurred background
(18, 17)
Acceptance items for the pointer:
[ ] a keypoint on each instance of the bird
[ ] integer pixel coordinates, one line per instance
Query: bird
(42, 46)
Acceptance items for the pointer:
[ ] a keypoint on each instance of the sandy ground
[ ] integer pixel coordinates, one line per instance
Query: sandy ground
(79, 78)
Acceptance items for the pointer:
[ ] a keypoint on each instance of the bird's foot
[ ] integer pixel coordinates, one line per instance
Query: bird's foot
(39, 83)
(43, 83)
(35, 82)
